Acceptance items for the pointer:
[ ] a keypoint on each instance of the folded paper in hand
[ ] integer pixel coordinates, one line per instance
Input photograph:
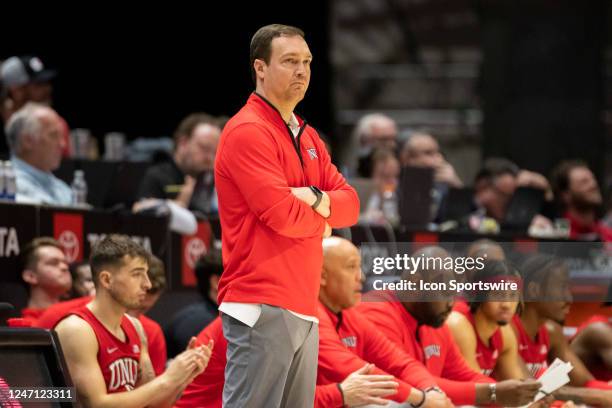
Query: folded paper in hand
(555, 377)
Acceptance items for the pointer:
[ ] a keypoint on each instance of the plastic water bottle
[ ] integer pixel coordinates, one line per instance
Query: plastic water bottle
(389, 205)
(2, 182)
(79, 189)
(10, 182)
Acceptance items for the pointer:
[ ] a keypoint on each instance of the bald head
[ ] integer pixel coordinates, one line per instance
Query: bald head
(331, 244)
(335, 249)
(341, 278)
(485, 248)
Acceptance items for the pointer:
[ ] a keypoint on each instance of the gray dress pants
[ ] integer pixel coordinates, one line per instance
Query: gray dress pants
(272, 364)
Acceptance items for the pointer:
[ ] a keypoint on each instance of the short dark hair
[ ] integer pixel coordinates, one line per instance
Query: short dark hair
(208, 265)
(110, 252)
(261, 43)
(382, 155)
(538, 267)
(189, 123)
(494, 167)
(560, 176)
(74, 273)
(157, 274)
(492, 269)
(29, 256)
(74, 269)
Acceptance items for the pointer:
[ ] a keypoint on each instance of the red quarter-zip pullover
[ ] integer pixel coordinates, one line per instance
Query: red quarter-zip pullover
(434, 348)
(272, 251)
(348, 341)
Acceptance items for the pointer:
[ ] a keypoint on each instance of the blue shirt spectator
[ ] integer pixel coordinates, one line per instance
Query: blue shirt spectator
(34, 135)
(38, 187)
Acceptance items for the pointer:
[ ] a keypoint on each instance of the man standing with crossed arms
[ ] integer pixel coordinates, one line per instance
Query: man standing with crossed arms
(279, 195)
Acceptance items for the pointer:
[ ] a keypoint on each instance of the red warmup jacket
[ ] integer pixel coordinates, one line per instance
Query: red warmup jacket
(348, 341)
(206, 390)
(486, 355)
(434, 348)
(155, 336)
(271, 240)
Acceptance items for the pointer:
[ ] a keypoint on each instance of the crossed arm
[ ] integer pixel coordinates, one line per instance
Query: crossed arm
(251, 165)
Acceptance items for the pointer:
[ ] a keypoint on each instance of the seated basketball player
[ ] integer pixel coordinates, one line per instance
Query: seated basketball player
(540, 333)
(156, 341)
(537, 332)
(45, 271)
(483, 331)
(481, 248)
(106, 349)
(418, 327)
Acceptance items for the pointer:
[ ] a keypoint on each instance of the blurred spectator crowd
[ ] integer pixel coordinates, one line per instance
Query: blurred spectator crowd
(568, 203)
(388, 167)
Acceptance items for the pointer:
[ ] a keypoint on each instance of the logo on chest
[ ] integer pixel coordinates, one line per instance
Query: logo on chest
(123, 374)
(431, 351)
(535, 368)
(350, 341)
(312, 153)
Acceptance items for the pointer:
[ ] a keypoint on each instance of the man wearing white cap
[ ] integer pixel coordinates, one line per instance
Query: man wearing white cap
(26, 80)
